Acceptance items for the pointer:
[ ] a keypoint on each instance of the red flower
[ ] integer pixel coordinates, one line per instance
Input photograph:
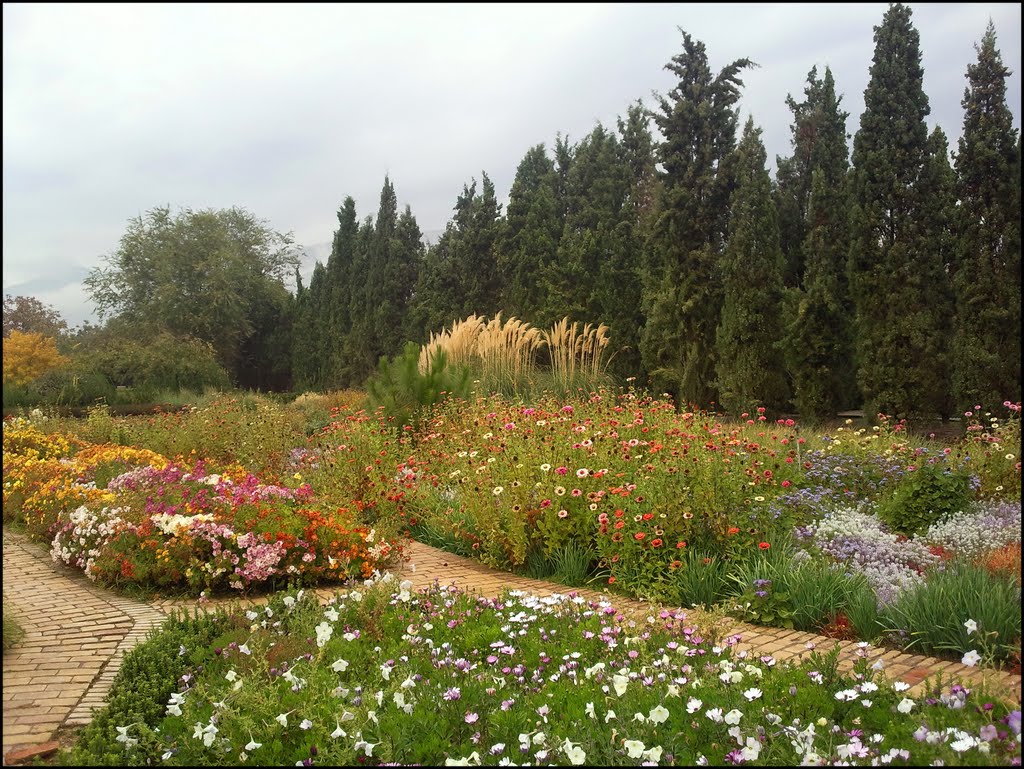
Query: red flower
(680, 545)
(639, 535)
(787, 484)
(763, 545)
(611, 580)
(656, 543)
(733, 530)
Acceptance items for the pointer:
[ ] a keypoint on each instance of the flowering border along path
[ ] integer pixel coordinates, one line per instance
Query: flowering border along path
(77, 633)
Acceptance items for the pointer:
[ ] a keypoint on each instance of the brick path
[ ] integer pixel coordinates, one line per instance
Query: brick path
(76, 634)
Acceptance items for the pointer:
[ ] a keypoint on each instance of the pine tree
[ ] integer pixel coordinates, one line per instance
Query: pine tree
(897, 329)
(682, 298)
(533, 229)
(750, 370)
(986, 344)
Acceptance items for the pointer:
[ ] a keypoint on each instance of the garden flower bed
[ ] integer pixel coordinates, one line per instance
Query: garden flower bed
(381, 675)
(130, 516)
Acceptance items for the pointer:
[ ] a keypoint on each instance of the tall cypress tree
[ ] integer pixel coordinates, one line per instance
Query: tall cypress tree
(750, 369)
(819, 142)
(819, 340)
(340, 278)
(682, 298)
(898, 322)
(986, 344)
(533, 229)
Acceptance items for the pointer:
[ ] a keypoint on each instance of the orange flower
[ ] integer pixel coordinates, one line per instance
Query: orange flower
(680, 545)
(639, 536)
(656, 543)
(764, 545)
(733, 530)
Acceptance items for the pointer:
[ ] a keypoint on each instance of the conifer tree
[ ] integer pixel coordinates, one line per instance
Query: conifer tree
(682, 298)
(986, 345)
(533, 229)
(897, 327)
(819, 340)
(819, 142)
(750, 370)
(340, 278)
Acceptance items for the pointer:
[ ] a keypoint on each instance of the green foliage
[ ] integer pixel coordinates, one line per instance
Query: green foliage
(702, 579)
(681, 296)
(148, 676)
(404, 392)
(750, 371)
(897, 276)
(930, 617)
(986, 269)
(863, 612)
(925, 496)
(210, 274)
(573, 563)
(818, 591)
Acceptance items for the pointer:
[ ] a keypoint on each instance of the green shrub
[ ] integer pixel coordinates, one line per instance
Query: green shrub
(924, 497)
(573, 563)
(932, 614)
(405, 393)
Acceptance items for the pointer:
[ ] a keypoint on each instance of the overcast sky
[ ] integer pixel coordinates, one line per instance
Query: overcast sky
(111, 110)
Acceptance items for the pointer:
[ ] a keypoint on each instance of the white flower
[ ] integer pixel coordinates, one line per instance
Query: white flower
(574, 753)
(231, 675)
(339, 665)
(901, 686)
(972, 658)
(244, 648)
(715, 714)
(289, 601)
(634, 748)
(306, 724)
(609, 716)
(620, 682)
(751, 750)
(282, 719)
(733, 717)
(659, 715)
(971, 626)
(905, 705)
(654, 754)
(693, 705)
(339, 732)
(965, 742)
(752, 694)
(589, 710)
(253, 745)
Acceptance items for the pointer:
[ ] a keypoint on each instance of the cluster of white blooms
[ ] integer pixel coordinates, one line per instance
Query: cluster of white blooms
(81, 540)
(858, 539)
(972, 533)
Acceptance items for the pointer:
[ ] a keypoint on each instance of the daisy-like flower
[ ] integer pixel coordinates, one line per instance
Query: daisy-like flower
(901, 686)
(715, 714)
(496, 491)
(472, 718)
(752, 694)
(693, 705)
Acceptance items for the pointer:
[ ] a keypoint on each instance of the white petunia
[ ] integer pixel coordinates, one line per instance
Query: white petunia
(339, 666)
(972, 658)
(733, 717)
(659, 715)
(620, 682)
(634, 748)
(253, 745)
(971, 626)
(905, 705)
